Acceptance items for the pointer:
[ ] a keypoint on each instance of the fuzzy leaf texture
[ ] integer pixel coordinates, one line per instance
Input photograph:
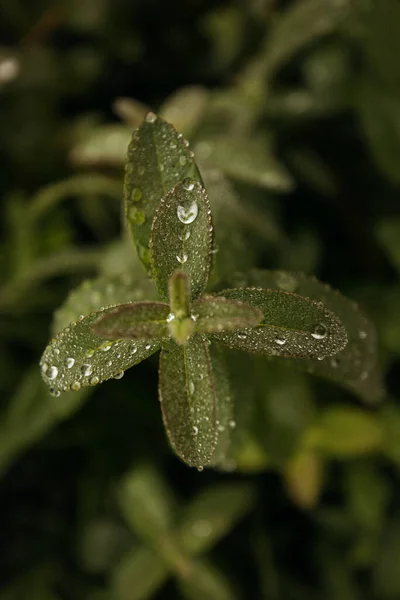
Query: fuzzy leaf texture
(158, 159)
(214, 314)
(137, 320)
(181, 237)
(292, 326)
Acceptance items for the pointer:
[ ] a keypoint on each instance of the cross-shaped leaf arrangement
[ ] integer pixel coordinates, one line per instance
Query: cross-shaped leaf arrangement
(169, 548)
(169, 215)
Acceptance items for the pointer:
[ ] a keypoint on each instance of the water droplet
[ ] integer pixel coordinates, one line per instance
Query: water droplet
(86, 370)
(57, 351)
(362, 335)
(232, 424)
(136, 194)
(119, 375)
(182, 259)
(136, 215)
(70, 362)
(200, 469)
(106, 346)
(242, 336)
(52, 372)
(148, 346)
(54, 392)
(170, 317)
(191, 388)
(151, 117)
(221, 428)
(81, 317)
(94, 380)
(44, 367)
(75, 386)
(187, 214)
(320, 332)
(134, 350)
(185, 143)
(184, 236)
(188, 184)
(89, 353)
(280, 340)
(195, 430)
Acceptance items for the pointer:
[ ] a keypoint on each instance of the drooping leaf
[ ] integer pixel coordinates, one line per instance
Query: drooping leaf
(137, 320)
(95, 294)
(188, 402)
(356, 366)
(214, 314)
(146, 503)
(225, 412)
(292, 326)
(250, 160)
(77, 357)
(181, 237)
(139, 575)
(158, 159)
(212, 515)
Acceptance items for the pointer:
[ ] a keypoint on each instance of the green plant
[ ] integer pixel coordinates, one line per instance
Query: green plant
(275, 314)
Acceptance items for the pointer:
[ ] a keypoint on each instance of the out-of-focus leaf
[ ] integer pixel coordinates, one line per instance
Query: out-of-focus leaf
(388, 234)
(368, 495)
(391, 428)
(131, 111)
(250, 160)
(346, 431)
(225, 411)
(188, 400)
(304, 478)
(93, 294)
(292, 326)
(158, 159)
(77, 357)
(213, 514)
(386, 573)
(139, 575)
(356, 366)
(203, 581)
(214, 314)
(104, 146)
(31, 414)
(146, 503)
(137, 320)
(181, 237)
(185, 108)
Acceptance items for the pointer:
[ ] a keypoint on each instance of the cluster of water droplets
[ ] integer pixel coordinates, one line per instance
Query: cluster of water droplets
(187, 214)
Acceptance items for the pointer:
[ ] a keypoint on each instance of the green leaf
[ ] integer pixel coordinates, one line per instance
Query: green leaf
(188, 402)
(158, 159)
(139, 575)
(293, 326)
(185, 108)
(225, 411)
(203, 581)
(77, 357)
(356, 366)
(303, 477)
(103, 146)
(181, 237)
(137, 320)
(146, 503)
(213, 514)
(346, 431)
(94, 294)
(214, 314)
(249, 160)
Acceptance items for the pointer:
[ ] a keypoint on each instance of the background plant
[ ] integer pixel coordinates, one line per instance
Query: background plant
(295, 103)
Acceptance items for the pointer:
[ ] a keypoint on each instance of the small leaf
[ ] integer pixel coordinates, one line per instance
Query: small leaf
(203, 581)
(356, 366)
(95, 294)
(181, 237)
(103, 146)
(139, 575)
(77, 357)
(213, 514)
(304, 478)
(214, 314)
(188, 403)
(293, 326)
(158, 159)
(146, 503)
(137, 320)
(185, 108)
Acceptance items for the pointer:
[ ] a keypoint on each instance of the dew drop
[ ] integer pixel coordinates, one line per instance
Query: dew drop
(106, 346)
(195, 430)
(182, 259)
(89, 353)
(136, 194)
(52, 372)
(232, 424)
(184, 236)
(151, 117)
(280, 340)
(70, 362)
(54, 392)
(242, 336)
(44, 367)
(191, 388)
(75, 386)
(221, 428)
(320, 332)
(170, 317)
(119, 375)
(86, 370)
(136, 215)
(134, 350)
(148, 346)
(362, 335)
(94, 380)
(187, 214)
(188, 184)
(200, 469)
(56, 351)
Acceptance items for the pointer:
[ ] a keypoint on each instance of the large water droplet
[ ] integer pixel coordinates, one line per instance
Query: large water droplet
(195, 430)
(170, 317)
(182, 259)
(232, 424)
(54, 392)
(280, 340)
(75, 386)
(151, 117)
(188, 184)
(148, 346)
(94, 380)
(70, 362)
(191, 388)
(187, 214)
(44, 367)
(320, 332)
(200, 469)
(52, 372)
(184, 236)
(136, 195)
(106, 346)
(119, 375)
(136, 215)
(86, 370)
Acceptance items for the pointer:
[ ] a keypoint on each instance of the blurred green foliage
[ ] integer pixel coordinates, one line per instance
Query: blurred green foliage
(298, 103)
